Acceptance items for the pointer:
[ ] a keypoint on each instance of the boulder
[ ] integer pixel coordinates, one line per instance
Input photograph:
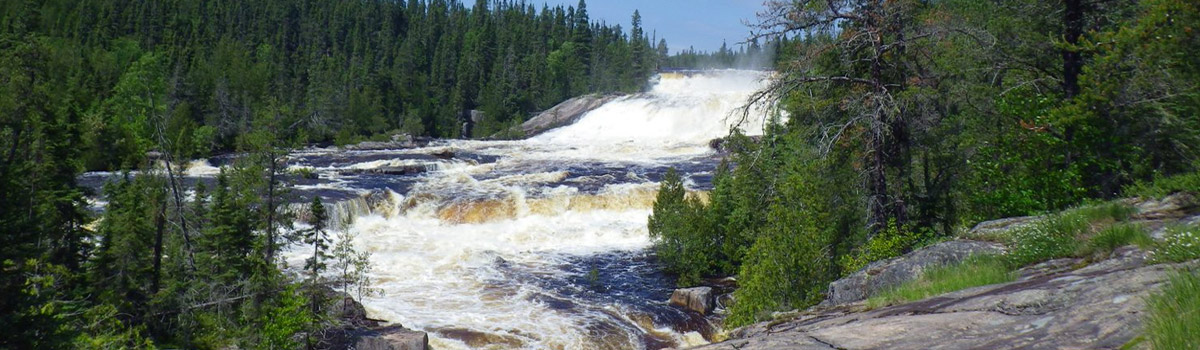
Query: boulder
(698, 299)
(565, 113)
(398, 141)
(722, 144)
(475, 116)
(411, 169)
(884, 274)
(392, 338)
(994, 229)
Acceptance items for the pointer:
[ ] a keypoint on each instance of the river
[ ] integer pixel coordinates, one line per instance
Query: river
(538, 243)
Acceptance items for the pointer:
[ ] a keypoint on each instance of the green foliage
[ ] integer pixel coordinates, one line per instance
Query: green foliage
(103, 329)
(978, 270)
(352, 266)
(1013, 173)
(681, 235)
(191, 88)
(790, 262)
(888, 243)
(1173, 321)
(279, 324)
(1180, 243)
(1161, 187)
(122, 270)
(318, 238)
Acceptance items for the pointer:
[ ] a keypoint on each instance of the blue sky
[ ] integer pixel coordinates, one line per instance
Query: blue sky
(702, 24)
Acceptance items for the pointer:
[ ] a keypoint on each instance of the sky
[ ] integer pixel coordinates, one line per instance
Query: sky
(702, 24)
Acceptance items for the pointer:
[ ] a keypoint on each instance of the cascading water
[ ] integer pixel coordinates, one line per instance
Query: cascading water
(538, 243)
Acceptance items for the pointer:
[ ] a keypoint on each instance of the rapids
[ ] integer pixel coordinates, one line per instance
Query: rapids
(538, 243)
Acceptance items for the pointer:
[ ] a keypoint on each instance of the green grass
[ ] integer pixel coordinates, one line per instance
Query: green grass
(1163, 186)
(1104, 211)
(975, 271)
(1086, 230)
(1173, 321)
(1115, 236)
(1180, 243)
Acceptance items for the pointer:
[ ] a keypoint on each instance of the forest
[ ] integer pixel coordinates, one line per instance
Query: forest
(908, 121)
(200, 74)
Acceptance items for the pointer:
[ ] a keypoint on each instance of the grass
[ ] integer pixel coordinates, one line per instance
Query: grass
(1115, 236)
(977, 270)
(1173, 320)
(1104, 211)
(1180, 243)
(1164, 186)
(1090, 231)
(1087, 230)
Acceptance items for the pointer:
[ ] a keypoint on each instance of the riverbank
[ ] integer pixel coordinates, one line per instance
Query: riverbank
(1098, 300)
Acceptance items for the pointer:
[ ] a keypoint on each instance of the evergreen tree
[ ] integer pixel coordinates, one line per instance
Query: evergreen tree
(314, 266)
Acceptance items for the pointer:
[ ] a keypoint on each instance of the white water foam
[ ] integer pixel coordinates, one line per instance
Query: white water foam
(679, 116)
(438, 275)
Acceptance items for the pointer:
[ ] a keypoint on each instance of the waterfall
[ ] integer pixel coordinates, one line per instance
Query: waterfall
(537, 243)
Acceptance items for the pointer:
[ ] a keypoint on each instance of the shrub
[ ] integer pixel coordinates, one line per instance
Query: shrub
(683, 237)
(1173, 321)
(977, 270)
(1163, 186)
(1180, 243)
(790, 262)
(890, 242)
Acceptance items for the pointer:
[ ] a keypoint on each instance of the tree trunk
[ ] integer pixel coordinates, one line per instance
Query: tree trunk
(271, 207)
(159, 225)
(1072, 60)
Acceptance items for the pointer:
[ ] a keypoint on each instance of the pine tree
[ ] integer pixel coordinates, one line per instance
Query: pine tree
(315, 265)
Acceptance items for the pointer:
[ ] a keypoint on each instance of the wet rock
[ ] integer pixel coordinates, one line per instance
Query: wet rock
(476, 339)
(1100, 306)
(350, 311)
(698, 299)
(391, 338)
(565, 113)
(884, 274)
(388, 170)
(722, 144)
(398, 141)
(443, 154)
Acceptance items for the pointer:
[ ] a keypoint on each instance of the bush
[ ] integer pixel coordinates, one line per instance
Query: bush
(683, 238)
(789, 264)
(890, 242)
(1180, 243)
(1163, 186)
(1173, 321)
(1013, 174)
